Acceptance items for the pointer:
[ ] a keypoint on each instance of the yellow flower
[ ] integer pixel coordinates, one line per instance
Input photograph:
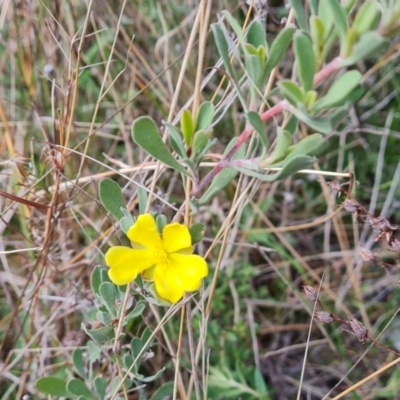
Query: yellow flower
(166, 259)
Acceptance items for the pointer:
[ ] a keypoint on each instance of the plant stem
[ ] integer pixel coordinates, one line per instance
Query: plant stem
(328, 70)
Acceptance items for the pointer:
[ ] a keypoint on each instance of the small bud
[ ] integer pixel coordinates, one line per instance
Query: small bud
(351, 205)
(359, 329)
(324, 317)
(310, 292)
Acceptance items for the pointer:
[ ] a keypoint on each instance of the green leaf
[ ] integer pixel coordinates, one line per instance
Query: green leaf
(303, 50)
(153, 377)
(310, 145)
(145, 134)
(200, 140)
(236, 28)
(317, 32)
(161, 221)
(256, 122)
(175, 139)
(94, 351)
(187, 126)
(340, 19)
(278, 49)
(100, 335)
(224, 177)
(136, 347)
(111, 197)
(339, 91)
(78, 388)
(127, 221)
(289, 167)
(163, 392)
(283, 141)
(313, 6)
(96, 280)
(197, 232)
(138, 310)
(53, 386)
(109, 295)
(366, 18)
(77, 359)
(369, 44)
(254, 68)
(142, 199)
(145, 336)
(259, 382)
(100, 386)
(205, 116)
(291, 92)
(256, 34)
(299, 13)
(320, 124)
(325, 15)
(222, 47)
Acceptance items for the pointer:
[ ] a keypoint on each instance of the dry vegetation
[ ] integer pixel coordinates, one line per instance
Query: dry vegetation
(72, 82)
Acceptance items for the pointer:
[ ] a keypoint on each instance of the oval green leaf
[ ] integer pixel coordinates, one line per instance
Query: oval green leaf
(145, 134)
(111, 197)
(304, 53)
(339, 91)
(53, 386)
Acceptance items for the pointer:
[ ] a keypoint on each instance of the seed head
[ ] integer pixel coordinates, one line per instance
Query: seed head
(352, 206)
(310, 292)
(358, 329)
(324, 317)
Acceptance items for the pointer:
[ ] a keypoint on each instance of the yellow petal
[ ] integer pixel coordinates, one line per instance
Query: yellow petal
(144, 232)
(182, 274)
(167, 286)
(176, 237)
(126, 263)
(189, 270)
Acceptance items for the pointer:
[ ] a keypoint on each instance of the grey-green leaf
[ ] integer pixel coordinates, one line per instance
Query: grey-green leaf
(320, 124)
(339, 91)
(53, 386)
(78, 388)
(289, 167)
(77, 359)
(303, 50)
(100, 386)
(340, 19)
(256, 122)
(369, 44)
(291, 92)
(175, 139)
(299, 13)
(145, 134)
(197, 232)
(163, 392)
(278, 49)
(256, 34)
(111, 197)
(223, 47)
(100, 335)
(142, 199)
(109, 295)
(205, 115)
(96, 280)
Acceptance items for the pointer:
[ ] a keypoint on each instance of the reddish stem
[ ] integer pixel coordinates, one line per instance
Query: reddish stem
(328, 70)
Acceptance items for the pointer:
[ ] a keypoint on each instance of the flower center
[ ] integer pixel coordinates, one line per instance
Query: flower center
(161, 257)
